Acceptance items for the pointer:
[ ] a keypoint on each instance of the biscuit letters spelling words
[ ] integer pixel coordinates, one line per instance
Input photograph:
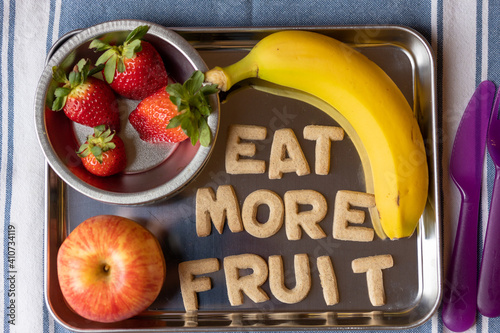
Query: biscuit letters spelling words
(238, 285)
(235, 149)
(302, 279)
(190, 284)
(344, 214)
(373, 267)
(323, 135)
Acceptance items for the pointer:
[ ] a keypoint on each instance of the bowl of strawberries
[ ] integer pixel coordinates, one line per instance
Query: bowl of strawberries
(123, 114)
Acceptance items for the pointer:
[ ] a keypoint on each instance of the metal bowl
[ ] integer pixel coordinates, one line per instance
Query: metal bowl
(154, 171)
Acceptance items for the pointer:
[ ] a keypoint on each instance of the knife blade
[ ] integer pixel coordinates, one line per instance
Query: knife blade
(488, 286)
(466, 167)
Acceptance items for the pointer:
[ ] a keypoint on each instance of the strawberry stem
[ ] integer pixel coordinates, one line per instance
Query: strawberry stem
(97, 143)
(76, 77)
(113, 56)
(193, 107)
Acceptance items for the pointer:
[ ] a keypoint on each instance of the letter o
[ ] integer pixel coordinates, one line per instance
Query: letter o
(249, 213)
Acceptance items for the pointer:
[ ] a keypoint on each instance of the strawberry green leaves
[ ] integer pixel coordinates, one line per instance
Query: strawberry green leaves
(193, 106)
(137, 34)
(113, 56)
(75, 78)
(97, 143)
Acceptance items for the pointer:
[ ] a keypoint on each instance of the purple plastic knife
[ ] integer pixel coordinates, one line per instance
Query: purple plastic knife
(488, 286)
(466, 168)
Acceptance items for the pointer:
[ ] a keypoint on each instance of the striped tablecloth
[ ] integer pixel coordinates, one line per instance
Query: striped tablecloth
(464, 34)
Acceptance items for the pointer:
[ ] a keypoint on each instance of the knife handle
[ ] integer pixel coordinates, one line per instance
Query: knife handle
(459, 299)
(488, 297)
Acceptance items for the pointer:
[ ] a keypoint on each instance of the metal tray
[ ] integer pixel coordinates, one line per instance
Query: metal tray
(412, 286)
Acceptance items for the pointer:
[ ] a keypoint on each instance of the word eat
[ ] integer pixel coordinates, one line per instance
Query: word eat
(286, 153)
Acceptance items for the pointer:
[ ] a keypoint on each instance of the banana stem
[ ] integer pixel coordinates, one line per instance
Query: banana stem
(225, 77)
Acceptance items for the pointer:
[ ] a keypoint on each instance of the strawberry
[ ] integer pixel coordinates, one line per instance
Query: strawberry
(151, 117)
(175, 112)
(84, 98)
(103, 154)
(134, 69)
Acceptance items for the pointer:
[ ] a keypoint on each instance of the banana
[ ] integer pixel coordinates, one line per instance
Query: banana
(335, 77)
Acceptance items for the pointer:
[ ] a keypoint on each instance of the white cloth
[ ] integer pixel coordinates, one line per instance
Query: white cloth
(460, 31)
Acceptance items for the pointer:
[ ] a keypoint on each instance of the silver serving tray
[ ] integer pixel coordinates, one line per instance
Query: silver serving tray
(412, 286)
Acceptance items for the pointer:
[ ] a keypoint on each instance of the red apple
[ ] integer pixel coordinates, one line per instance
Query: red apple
(110, 268)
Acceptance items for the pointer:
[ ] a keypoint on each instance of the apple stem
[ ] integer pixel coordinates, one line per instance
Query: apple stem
(106, 268)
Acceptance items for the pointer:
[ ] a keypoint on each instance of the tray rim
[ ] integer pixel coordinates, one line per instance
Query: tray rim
(435, 186)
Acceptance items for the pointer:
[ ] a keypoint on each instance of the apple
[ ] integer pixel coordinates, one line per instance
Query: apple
(110, 268)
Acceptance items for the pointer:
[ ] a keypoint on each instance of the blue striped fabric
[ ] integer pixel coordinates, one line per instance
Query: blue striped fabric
(7, 154)
(26, 22)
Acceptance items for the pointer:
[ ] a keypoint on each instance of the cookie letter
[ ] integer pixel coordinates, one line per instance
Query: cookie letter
(286, 155)
(190, 284)
(343, 215)
(216, 208)
(302, 279)
(235, 149)
(249, 213)
(373, 267)
(248, 284)
(323, 136)
(328, 280)
(296, 220)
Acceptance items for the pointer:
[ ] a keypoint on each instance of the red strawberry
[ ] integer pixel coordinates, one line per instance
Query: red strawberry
(104, 153)
(176, 112)
(134, 69)
(85, 99)
(151, 117)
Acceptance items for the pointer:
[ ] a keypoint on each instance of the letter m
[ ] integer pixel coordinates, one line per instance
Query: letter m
(216, 208)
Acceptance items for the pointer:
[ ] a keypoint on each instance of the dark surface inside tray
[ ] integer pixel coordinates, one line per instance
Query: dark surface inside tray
(173, 221)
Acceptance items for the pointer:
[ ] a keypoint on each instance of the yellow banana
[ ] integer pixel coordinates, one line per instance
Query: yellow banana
(333, 76)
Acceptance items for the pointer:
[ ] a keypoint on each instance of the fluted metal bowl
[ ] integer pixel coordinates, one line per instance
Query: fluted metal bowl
(154, 171)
